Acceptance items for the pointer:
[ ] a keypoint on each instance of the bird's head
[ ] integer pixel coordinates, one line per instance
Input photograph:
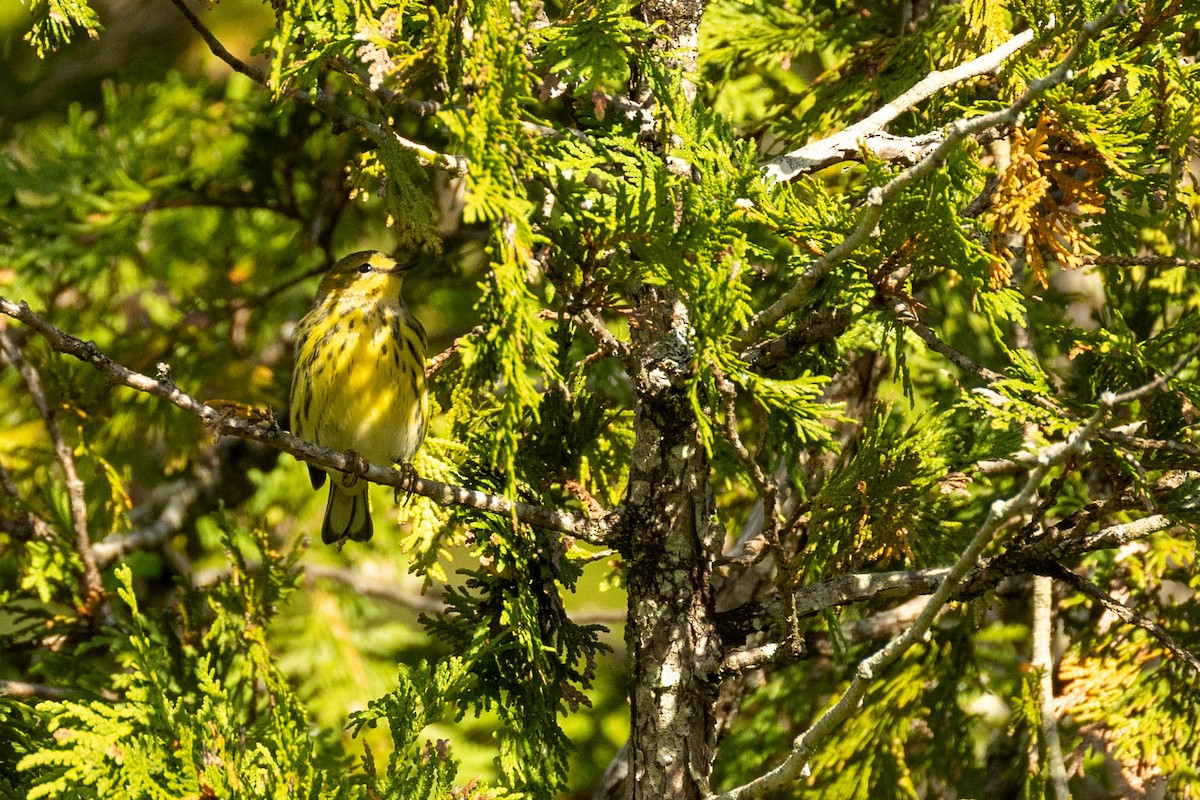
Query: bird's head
(367, 275)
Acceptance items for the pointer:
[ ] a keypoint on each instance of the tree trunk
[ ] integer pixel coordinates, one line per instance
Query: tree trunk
(671, 538)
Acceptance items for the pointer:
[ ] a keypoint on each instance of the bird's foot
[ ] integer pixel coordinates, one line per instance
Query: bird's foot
(408, 475)
(360, 464)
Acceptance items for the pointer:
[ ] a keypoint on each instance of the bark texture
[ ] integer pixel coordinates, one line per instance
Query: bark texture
(670, 538)
(670, 535)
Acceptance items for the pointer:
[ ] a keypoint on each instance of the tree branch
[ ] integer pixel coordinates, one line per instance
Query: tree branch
(435, 363)
(262, 428)
(1141, 261)
(905, 314)
(170, 520)
(66, 460)
(866, 134)
(1058, 542)
(40, 691)
(878, 198)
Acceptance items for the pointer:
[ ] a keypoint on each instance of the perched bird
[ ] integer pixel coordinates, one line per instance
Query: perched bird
(359, 381)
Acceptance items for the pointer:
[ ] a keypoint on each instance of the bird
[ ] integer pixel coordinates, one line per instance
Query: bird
(359, 382)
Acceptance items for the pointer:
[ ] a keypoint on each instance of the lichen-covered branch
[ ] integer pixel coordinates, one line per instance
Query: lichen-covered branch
(868, 134)
(1041, 659)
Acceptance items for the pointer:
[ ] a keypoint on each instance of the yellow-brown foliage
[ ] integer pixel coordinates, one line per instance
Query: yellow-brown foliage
(1043, 196)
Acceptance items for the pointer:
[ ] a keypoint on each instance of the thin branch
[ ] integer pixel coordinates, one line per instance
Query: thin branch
(455, 165)
(437, 362)
(866, 134)
(847, 589)
(237, 65)
(1161, 381)
(1082, 585)
(820, 326)
(1066, 539)
(998, 517)
(66, 460)
(875, 626)
(905, 314)
(28, 523)
(766, 486)
(879, 198)
(1141, 443)
(1141, 261)
(1043, 661)
(379, 589)
(262, 428)
(1111, 537)
(607, 343)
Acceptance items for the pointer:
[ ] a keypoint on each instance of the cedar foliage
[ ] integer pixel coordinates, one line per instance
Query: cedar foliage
(181, 218)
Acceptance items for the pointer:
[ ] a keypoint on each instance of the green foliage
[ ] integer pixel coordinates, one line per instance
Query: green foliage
(525, 659)
(590, 46)
(891, 505)
(55, 23)
(414, 770)
(198, 710)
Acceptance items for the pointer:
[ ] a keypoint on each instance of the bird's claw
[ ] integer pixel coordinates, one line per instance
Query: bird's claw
(360, 464)
(408, 474)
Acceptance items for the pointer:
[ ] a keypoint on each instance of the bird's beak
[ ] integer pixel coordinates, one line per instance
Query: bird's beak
(402, 267)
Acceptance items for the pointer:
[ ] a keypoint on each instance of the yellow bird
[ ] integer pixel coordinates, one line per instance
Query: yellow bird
(359, 381)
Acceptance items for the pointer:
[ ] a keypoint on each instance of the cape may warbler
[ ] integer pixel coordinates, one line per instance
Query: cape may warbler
(359, 381)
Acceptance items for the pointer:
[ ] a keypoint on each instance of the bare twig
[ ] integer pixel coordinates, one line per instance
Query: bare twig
(1142, 261)
(769, 491)
(908, 317)
(609, 344)
(1066, 539)
(437, 362)
(418, 603)
(66, 460)
(820, 326)
(1111, 537)
(879, 198)
(266, 431)
(1161, 381)
(237, 65)
(866, 134)
(846, 589)
(1141, 443)
(1124, 612)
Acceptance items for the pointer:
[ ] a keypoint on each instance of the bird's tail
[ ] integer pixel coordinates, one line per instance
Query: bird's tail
(347, 514)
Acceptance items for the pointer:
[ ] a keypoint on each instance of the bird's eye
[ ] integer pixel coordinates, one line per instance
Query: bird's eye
(364, 269)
